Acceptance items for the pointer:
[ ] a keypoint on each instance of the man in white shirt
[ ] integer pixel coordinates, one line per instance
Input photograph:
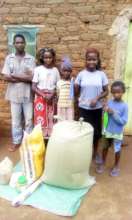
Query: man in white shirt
(18, 71)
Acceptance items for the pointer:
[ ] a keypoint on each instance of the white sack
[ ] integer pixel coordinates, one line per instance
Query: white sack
(69, 154)
(6, 168)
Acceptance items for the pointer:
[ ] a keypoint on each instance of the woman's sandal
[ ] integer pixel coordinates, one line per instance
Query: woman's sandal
(100, 169)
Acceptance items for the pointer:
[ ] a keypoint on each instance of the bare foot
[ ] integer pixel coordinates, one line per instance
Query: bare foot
(14, 147)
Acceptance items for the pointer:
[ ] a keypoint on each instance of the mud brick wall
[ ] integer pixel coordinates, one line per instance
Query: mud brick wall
(69, 26)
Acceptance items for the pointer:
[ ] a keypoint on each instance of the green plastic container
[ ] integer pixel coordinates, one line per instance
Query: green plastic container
(105, 120)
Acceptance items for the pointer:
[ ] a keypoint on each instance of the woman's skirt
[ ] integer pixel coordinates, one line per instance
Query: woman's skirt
(44, 114)
(94, 117)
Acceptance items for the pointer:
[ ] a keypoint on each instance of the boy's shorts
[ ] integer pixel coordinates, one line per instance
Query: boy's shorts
(108, 142)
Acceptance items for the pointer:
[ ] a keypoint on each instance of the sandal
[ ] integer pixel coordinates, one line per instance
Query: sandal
(115, 172)
(100, 169)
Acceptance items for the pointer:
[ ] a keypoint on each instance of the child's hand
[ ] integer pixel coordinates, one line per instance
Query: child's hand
(109, 110)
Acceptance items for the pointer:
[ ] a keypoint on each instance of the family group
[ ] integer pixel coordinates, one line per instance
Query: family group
(38, 90)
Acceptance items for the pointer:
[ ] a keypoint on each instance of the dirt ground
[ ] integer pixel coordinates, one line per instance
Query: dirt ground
(109, 199)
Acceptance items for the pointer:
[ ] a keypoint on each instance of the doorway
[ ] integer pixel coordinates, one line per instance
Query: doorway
(127, 78)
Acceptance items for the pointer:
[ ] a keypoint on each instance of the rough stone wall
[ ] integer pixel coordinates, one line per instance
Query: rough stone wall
(69, 26)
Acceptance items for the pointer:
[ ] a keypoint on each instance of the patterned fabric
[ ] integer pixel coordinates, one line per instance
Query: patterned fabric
(44, 113)
(65, 113)
(63, 90)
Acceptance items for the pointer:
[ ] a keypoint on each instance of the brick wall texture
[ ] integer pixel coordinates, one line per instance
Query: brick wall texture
(69, 26)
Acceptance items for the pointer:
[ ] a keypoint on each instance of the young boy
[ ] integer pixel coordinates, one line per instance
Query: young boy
(117, 111)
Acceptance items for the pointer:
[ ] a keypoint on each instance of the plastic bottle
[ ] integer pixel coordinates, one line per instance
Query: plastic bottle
(105, 120)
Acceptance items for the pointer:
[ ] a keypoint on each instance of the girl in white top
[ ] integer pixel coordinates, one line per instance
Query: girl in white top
(44, 81)
(65, 91)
